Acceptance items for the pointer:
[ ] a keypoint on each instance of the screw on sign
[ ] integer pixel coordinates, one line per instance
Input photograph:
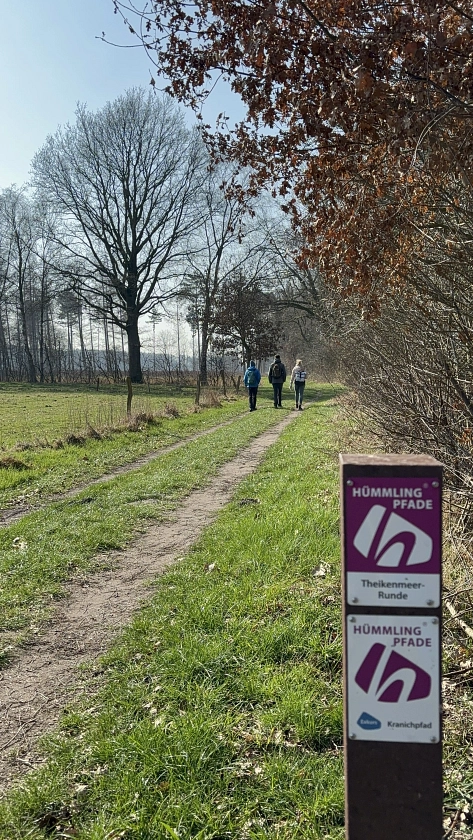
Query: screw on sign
(391, 552)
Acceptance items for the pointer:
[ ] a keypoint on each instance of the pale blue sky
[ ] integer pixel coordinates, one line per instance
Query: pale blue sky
(51, 59)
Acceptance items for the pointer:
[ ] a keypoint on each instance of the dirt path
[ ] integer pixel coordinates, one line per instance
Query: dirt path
(10, 515)
(35, 688)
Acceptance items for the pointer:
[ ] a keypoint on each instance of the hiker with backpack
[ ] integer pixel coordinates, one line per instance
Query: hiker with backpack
(277, 377)
(252, 379)
(298, 378)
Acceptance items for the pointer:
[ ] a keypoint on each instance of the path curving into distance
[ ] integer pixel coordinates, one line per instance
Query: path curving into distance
(42, 679)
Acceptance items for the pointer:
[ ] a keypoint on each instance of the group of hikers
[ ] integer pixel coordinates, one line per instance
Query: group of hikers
(277, 377)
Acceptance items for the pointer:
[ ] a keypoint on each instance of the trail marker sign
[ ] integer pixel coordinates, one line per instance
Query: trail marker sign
(393, 528)
(391, 559)
(393, 678)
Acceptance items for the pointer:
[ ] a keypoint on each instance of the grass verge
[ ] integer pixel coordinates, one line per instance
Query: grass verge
(218, 714)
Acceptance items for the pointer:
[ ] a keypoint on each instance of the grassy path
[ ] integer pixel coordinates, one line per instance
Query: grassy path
(42, 551)
(44, 676)
(218, 715)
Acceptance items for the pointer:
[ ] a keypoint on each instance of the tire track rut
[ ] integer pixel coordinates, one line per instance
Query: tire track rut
(11, 515)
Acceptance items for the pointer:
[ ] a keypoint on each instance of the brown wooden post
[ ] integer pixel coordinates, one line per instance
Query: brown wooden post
(130, 395)
(391, 549)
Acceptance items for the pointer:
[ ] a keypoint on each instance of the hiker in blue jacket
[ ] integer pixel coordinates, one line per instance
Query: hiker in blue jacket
(252, 379)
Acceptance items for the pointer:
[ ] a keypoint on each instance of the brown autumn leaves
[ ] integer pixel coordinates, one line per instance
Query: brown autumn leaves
(358, 113)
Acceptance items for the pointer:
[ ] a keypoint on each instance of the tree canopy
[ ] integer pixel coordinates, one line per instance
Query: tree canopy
(355, 113)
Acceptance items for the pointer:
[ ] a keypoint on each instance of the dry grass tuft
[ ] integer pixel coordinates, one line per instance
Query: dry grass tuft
(210, 399)
(139, 421)
(25, 446)
(170, 410)
(146, 418)
(75, 440)
(93, 433)
(11, 463)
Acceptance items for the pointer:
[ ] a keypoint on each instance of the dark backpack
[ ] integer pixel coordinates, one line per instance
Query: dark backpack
(252, 379)
(277, 371)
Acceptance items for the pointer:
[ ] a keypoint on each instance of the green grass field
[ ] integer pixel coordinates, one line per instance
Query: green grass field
(217, 715)
(34, 419)
(42, 413)
(219, 712)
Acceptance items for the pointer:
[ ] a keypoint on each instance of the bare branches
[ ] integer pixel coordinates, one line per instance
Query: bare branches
(125, 183)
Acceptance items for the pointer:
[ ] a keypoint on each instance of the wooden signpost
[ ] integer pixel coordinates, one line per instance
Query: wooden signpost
(391, 552)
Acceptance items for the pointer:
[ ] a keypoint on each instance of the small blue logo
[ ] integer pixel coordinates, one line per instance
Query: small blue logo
(367, 721)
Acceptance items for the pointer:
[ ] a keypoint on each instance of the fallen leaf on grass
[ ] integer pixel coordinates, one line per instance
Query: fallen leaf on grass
(210, 567)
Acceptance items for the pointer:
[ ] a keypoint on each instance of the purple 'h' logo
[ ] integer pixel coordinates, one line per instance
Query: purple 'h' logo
(391, 689)
(387, 539)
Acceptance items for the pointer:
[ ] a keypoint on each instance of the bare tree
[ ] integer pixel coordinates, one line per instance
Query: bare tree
(19, 240)
(125, 181)
(223, 245)
(246, 325)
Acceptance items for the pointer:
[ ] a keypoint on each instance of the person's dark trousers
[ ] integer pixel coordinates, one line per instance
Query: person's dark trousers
(277, 388)
(299, 386)
(252, 392)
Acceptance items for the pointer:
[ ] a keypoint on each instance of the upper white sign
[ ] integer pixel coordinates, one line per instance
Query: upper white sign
(392, 541)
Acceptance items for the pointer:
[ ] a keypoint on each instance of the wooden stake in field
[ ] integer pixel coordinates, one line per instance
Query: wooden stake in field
(129, 396)
(391, 550)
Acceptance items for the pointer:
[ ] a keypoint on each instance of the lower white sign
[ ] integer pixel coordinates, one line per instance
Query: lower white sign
(393, 678)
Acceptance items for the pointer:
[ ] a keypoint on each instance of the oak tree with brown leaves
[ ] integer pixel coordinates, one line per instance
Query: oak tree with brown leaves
(356, 112)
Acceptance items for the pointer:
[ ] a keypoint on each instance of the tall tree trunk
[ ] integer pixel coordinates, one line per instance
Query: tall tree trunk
(116, 367)
(132, 316)
(4, 357)
(134, 349)
(204, 347)
(10, 344)
(41, 331)
(92, 352)
(24, 334)
(49, 349)
(70, 346)
(84, 363)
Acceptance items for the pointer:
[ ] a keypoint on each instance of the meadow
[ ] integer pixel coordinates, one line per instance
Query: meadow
(35, 415)
(217, 713)
(56, 437)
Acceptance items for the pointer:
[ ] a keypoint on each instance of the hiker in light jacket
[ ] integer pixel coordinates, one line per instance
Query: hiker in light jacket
(298, 378)
(277, 377)
(252, 379)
